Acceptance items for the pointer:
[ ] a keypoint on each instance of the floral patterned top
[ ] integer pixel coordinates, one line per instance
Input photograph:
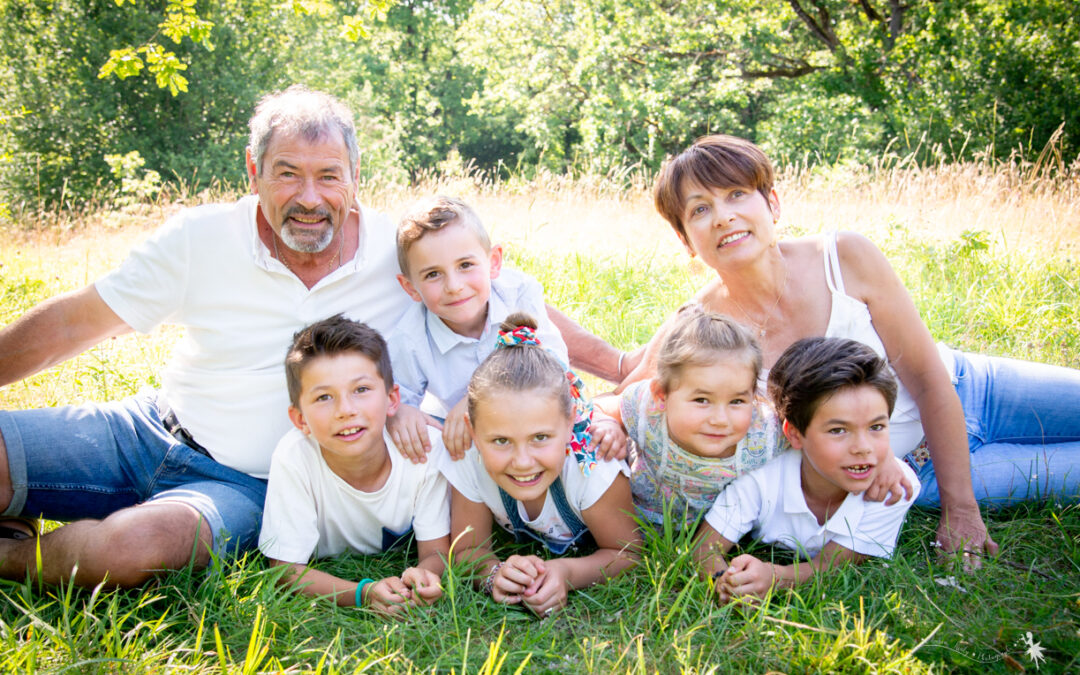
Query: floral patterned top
(661, 470)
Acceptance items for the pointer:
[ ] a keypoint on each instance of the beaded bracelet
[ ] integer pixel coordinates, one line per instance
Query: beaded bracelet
(360, 591)
(488, 584)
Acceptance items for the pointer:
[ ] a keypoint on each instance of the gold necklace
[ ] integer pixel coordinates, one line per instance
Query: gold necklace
(330, 267)
(768, 316)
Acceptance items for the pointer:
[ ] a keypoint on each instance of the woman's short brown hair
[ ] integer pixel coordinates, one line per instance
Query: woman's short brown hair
(712, 161)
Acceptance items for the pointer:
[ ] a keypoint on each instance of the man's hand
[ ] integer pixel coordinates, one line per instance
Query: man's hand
(890, 482)
(963, 531)
(456, 432)
(426, 586)
(408, 430)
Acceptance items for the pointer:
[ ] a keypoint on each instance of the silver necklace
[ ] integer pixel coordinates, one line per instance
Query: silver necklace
(761, 326)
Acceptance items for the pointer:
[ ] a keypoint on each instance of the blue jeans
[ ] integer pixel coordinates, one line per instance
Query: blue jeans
(1023, 424)
(91, 460)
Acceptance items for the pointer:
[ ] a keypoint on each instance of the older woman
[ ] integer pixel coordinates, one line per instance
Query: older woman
(976, 429)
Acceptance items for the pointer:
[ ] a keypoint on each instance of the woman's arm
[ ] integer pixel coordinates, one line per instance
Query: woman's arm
(914, 356)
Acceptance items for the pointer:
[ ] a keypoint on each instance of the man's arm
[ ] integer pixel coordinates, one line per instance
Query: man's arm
(54, 331)
(587, 352)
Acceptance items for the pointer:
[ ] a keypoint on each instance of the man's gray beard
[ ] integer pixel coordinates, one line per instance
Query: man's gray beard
(306, 245)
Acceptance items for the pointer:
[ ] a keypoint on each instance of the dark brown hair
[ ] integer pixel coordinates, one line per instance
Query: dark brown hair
(519, 368)
(813, 369)
(712, 161)
(330, 337)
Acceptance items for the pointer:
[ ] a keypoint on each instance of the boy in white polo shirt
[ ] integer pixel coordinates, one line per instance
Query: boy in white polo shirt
(336, 486)
(835, 397)
(455, 275)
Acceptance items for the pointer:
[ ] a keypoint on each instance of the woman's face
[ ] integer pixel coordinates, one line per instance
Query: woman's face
(726, 224)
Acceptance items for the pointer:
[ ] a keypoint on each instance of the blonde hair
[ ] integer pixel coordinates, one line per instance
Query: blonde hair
(519, 367)
(433, 214)
(695, 339)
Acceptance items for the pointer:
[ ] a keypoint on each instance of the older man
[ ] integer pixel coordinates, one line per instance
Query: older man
(159, 480)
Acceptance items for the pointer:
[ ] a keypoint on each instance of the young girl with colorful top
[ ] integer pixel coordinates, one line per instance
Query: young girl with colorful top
(530, 469)
(700, 423)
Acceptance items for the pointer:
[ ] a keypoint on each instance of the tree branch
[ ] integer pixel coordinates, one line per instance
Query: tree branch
(820, 29)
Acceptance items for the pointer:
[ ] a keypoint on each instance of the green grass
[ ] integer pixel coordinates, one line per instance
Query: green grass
(881, 617)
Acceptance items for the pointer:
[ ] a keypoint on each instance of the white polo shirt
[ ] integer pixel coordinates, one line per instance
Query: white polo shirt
(430, 358)
(207, 270)
(313, 512)
(769, 502)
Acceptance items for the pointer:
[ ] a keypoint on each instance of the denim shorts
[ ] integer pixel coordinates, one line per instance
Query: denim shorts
(91, 460)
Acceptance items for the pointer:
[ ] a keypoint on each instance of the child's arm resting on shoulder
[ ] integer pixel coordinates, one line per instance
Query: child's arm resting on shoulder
(455, 433)
(618, 542)
(608, 431)
(890, 480)
(408, 429)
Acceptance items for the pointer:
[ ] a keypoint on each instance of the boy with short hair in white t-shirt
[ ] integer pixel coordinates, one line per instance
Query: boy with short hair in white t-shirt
(334, 484)
(835, 397)
(454, 273)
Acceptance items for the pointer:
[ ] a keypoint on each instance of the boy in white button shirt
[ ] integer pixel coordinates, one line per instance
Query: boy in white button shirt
(336, 485)
(455, 275)
(835, 397)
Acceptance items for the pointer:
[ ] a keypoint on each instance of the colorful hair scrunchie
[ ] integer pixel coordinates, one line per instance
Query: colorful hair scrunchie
(581, 432)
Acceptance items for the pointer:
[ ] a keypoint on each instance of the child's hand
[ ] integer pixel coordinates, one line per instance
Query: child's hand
(408, 430)
(515, 575)
(889, 478)
(455, 432)
(608, 437)
(745, 576)
(425, 585)
(387, 596)
(548, 591)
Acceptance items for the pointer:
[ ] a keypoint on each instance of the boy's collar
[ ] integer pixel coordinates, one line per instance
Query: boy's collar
(839, 522)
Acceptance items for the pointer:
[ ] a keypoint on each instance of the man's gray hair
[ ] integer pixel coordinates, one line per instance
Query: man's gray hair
(299, 110)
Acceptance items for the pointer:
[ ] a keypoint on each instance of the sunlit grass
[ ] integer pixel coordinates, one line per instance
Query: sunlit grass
(1001, 278)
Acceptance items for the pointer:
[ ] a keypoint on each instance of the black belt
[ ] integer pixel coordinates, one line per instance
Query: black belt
(173, 426)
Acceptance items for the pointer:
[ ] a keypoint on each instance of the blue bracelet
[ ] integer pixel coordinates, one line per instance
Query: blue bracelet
(360, 591)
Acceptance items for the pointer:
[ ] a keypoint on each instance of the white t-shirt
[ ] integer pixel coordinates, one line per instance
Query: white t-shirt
(311, 512)
(469, 477)
(428, 356)
(769, 502)
(207, 270)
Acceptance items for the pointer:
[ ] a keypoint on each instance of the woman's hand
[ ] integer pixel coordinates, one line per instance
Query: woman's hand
(962, 531)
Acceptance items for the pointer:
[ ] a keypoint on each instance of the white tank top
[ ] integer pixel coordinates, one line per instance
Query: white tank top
(850, 318)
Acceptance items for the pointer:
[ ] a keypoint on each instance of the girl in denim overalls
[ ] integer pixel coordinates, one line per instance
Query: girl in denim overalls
(531, 469)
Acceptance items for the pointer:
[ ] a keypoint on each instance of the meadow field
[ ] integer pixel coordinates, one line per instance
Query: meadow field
(989, 253)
